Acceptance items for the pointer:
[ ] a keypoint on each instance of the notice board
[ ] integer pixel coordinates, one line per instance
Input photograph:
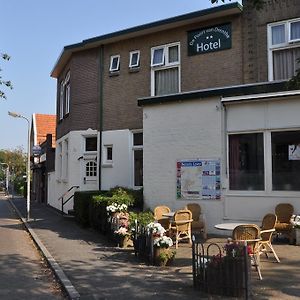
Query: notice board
(198, 179)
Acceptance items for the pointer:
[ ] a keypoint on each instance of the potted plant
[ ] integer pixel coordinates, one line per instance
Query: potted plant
(162, 252)
(123, 237)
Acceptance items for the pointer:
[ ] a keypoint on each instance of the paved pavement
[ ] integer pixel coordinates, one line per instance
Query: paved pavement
(22, 271)
(98, 270)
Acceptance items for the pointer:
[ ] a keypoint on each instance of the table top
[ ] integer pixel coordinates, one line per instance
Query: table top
(228, 226)
(169, 214)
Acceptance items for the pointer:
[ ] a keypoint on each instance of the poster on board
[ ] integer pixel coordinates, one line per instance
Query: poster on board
(198, 179)
(294, 152)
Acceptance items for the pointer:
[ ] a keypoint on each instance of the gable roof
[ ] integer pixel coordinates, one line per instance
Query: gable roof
(169, 23)
(44, 124)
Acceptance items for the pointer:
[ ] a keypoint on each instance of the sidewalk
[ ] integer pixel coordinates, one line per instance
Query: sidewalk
(99, 270)
(23, 273)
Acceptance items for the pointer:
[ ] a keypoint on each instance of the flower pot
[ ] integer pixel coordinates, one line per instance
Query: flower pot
(297, 236)
(125, 241)
(163, 256)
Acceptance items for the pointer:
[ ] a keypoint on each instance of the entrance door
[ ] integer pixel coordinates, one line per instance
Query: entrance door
(89, 175)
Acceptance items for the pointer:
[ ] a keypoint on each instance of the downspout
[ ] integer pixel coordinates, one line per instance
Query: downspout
(101, 83)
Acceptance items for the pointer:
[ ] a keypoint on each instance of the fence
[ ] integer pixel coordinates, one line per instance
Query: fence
(215, 273)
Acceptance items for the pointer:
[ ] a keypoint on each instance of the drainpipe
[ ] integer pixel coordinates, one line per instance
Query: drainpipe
(101, 82)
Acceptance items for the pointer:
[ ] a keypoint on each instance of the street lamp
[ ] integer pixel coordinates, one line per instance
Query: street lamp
(17, 115)
(6, 176)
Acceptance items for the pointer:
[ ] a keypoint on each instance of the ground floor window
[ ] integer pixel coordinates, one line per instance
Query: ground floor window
(137, 148)
(246, 161)
(91, 169)
(286, 160)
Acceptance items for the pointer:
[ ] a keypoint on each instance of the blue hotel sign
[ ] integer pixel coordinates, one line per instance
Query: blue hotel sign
(210, 39)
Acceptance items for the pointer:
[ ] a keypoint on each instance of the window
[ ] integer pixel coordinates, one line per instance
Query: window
(108, 154)
(65, 159)
(91, 143)
(138, 158)
(165, 69)
(91, 169)
(246, 161)
(114, 63)
(134, 60)
(284, 49)
(64, 97)
(60, 160)
(286, 160)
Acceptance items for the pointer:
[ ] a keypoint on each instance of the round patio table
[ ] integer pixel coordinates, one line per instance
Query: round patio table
(228, 226)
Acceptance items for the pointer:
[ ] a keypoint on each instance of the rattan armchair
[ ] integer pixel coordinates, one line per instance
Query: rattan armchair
(158, 216)
(198, 224)
(284, 212)
(266, 232)
(249, 233)
(181, 226)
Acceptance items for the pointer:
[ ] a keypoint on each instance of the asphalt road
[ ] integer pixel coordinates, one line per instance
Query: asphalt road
(23, 272)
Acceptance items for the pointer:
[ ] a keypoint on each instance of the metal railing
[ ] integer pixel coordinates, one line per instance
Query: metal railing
(63, 202)
(216, 274)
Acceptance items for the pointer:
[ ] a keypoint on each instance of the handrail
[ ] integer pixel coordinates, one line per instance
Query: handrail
(63, 195)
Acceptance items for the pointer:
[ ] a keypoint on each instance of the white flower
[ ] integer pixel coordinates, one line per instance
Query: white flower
(163, 242)
(156, 228)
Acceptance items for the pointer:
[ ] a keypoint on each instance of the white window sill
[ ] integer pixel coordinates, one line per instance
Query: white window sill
(107, 165)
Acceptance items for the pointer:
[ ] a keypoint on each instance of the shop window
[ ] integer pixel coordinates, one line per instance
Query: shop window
(165, 69)
(286, 161)
(91, 169)
(91, 143)
(138, 158)
(284, 49)
(246, 162)
(114, 63)
(134, 59)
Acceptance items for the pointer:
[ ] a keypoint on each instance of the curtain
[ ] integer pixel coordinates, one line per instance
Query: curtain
(285, 63)
(295, 30)
(278, 34)
(166, 81)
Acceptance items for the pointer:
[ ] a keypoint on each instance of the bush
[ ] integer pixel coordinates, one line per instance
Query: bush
(137, 196)
(82, 202)
(143, 218)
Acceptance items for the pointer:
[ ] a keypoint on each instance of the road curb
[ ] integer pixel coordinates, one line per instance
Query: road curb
(59, 273)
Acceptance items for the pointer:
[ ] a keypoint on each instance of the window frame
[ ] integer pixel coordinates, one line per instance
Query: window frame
(112, 57)
(136, 148)
(95, 169)
(288, 44)
(131, 53)
(107, 161)
(268, 165)
(165, 64)
(88, 137)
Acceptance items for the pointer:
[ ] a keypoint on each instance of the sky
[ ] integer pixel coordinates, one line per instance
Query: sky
(34, 32)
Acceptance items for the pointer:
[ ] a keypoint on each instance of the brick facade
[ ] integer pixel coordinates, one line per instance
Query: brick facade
(245, 62)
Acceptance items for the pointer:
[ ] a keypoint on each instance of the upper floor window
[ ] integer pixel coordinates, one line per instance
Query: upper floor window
(91, 143)
(134, 59)
(284, 49)
(165, 69)
(64, 96)
(114, 63)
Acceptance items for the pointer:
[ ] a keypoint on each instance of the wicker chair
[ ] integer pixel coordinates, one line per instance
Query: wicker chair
(249, 233)
(198, 224)
(266, 232)
(284, 212)
(181, 226)
(158, 216)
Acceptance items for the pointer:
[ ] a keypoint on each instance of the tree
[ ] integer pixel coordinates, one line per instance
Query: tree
(7, 83)
(257, 4)
(16, 160)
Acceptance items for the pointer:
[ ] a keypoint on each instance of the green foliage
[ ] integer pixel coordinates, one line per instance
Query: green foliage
(6, 83)
(16, 160)
(143, 218)
(136, 195)
(82, 202)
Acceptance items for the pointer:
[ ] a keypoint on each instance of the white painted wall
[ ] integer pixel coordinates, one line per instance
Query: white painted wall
(198, 129)
(176, 131)
(119, 172)
(76, 158)
(263, 116)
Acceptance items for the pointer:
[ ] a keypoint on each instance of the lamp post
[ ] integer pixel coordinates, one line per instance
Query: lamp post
(17, 115)
(6, 176)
